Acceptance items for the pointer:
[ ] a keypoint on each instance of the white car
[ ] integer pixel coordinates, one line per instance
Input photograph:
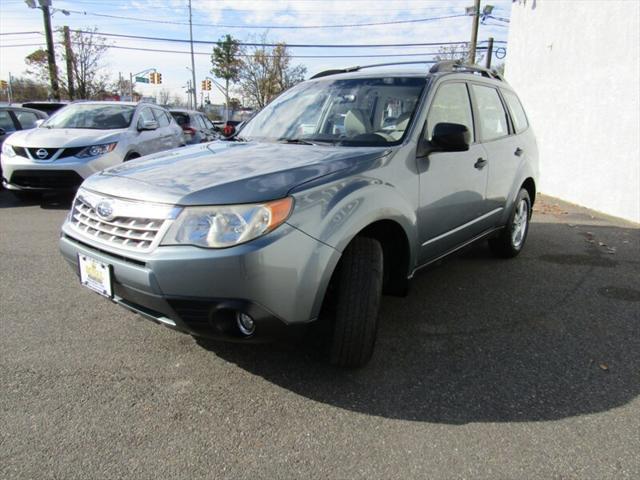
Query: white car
(82, 139)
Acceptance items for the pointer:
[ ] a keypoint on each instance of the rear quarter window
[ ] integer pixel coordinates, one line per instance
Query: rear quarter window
(517, 111)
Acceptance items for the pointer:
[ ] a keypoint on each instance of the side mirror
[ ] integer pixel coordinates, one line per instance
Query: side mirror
(2, 132)
(39, 122)
(451, 137)
(147, 125)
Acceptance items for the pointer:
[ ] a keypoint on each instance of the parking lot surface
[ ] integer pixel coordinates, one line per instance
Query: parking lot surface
(524, 368)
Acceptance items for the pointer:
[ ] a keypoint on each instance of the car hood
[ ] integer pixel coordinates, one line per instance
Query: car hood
(63, 137)
(226, 172)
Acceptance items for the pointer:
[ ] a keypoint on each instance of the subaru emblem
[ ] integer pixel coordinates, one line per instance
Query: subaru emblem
(105, 210)
(41, 153)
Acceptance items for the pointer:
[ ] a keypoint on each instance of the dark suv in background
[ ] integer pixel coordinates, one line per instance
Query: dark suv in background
(337, 192)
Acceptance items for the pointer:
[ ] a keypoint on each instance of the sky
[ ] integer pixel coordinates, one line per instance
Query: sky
(215, 18)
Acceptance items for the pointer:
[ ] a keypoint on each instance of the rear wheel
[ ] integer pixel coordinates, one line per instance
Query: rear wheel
(511, 240)
(358, 288)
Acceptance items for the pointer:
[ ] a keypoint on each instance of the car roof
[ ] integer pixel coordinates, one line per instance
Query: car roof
(184, 110)
(24, 109)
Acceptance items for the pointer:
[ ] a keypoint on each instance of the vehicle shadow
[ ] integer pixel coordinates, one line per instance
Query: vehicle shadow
(554, 333)
(46, 201)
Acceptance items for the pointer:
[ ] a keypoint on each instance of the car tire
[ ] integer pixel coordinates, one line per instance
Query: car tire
(511, 239)
(358, 290)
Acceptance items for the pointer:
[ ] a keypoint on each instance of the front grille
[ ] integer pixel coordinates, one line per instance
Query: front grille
(50, 153)
(129, 232)
(126, 224)
(52, 179)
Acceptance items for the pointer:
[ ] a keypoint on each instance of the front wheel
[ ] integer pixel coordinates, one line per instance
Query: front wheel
(510, 241)
(358, 290)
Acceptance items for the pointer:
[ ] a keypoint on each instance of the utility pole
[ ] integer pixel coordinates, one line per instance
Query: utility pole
(51, 54)
(193, 63)
(489, 52)
(474, 32)
(130, 87)
(9, 91)
(69, 55)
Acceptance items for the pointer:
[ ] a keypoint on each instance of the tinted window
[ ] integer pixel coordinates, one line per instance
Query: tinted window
(517, 112)
(450, 105)
(26, 119)
(493, 118)
(6, 123)
(181, 119)
(163, 121)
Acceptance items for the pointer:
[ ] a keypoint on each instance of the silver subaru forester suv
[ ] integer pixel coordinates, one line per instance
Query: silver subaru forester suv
(334, 194)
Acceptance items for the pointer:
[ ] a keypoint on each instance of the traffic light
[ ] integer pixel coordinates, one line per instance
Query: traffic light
(203, 85)
(155, 78)
(208, 85)
(3, 85)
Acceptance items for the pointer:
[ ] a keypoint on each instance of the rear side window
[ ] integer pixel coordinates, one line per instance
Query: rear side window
(199, 121)
(26, 119)
(181, 119)
(450, 105)
(493, 118)
(517, 112)
(163, 121)
(6, 123)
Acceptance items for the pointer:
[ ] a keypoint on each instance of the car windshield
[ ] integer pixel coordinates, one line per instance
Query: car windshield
(353, 112)
(92, 116)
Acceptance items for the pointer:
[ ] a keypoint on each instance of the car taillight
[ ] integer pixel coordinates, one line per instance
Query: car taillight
(189, 130)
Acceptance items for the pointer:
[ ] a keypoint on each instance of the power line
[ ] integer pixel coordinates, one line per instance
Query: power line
(291, 45)
(266, 27)
(142, 49)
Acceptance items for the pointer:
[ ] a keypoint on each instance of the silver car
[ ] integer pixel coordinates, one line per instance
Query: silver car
(82, 139)
(337, 192)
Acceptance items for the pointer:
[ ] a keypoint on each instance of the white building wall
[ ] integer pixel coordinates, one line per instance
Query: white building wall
(576, 67)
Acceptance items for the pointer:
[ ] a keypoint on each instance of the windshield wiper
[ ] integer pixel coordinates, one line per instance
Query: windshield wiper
(297, 141)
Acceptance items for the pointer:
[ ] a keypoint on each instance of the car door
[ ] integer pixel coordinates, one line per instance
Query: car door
(452, 184)
(496, 136)
(165, 134)
(148, 141)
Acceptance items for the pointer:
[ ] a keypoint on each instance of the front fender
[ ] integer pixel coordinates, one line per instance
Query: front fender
(335, 212)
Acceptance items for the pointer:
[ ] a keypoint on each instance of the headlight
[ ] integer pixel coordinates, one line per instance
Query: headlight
(96, 150)
(227, 225)
(8, 150)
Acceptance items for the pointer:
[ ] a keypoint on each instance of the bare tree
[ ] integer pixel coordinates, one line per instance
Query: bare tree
(456, 52)
(164, 96)
(25, 89)
(88, 51)
(266, 72)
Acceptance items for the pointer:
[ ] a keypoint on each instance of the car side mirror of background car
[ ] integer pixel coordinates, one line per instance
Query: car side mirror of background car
(2, 132)
(147, 125)
(451, 137)
(39, 122)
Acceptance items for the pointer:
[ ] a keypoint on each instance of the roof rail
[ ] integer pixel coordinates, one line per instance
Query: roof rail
(326, 73)
(442, 66)
(458, 66)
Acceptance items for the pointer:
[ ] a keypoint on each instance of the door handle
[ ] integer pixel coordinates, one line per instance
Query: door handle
(518, 152)
(480, 163)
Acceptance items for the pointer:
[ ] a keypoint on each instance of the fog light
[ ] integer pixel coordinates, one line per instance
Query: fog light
(245, 323)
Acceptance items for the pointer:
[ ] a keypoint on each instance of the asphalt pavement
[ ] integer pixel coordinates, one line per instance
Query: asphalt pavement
(523, 368)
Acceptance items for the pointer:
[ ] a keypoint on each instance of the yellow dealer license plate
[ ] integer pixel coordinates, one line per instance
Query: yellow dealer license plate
(95, 275)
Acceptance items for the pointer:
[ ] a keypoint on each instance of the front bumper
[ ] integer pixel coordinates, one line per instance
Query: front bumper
(22, 173)
(279, 280)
